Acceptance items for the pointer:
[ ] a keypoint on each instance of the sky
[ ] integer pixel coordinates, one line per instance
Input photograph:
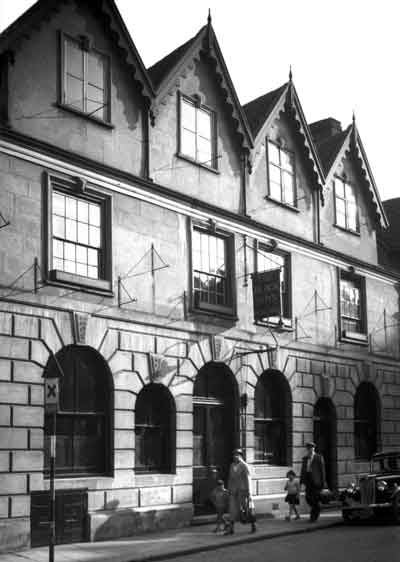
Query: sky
(344, 56)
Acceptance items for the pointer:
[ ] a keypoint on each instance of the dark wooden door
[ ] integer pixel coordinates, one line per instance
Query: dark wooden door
(325, 438)
(71, 517)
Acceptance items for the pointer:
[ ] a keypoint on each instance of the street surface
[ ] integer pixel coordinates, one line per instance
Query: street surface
(365, 542)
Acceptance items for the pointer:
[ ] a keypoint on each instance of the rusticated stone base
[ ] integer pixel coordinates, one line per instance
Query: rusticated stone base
(106, 525)
(15, 534)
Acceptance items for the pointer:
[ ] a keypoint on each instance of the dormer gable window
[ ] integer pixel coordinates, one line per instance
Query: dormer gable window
(197, 139)
(85, 78)
(281, 174)
(346, 211)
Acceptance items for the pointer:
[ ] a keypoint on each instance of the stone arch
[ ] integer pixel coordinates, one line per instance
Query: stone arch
(273, 419)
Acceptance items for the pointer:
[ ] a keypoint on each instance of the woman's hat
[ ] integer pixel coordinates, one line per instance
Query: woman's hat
(237, 452)
(310, 445)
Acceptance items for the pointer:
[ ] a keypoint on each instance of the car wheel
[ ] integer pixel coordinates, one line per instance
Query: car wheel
(396, 509)
(347, 515)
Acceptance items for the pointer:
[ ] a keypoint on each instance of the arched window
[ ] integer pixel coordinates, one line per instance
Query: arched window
(155, 430)
(83, 422)
(272, 419)
(366, 419)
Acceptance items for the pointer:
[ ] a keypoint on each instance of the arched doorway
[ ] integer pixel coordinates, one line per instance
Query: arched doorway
(325, 437)
(366, 421)
(215, 430)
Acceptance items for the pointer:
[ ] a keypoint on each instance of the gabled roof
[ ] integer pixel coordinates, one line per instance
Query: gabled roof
(264, 109)
(332, 150)
(165, 72)
(39, 13)
(258, 110)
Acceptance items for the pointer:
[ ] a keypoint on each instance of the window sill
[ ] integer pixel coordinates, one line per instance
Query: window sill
(282, 204)
(214, 310)
(347, 230)
(196, 163)
(354, 337)
(98, 286)
(84, 115)
(285, 327)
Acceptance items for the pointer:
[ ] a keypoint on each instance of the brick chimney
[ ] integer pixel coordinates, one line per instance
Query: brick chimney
(322, 130)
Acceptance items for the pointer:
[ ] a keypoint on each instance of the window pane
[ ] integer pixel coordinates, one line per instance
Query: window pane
(273, 153)
(74, 92)
(275, 175)
(58, 249)
(204, 124)
(339, 188)
(96, 69)
(69, 266)
(188, 116)
(81, 254)
(93, 272)
(94, 236)
(287, 161)
(352, 216)
(340, 213)
(350, 195)
(58, 204)
(69, 251)
(92, 257)
(188, 143)
(81, 269)
(95, 102)
(70, 230)
(288, 188)
(58, 227)
(83, 233)
(58, 264)
(83, 211)
(74, 59)
(204, 151)
(94, 214)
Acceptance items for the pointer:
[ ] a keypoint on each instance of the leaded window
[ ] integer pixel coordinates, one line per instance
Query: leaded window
(267, 261)
(352, 305)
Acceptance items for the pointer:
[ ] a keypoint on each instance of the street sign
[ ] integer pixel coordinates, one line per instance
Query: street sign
(51, 393)
(267, 294)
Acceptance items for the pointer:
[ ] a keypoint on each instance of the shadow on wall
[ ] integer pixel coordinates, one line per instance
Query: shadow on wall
(126, 522)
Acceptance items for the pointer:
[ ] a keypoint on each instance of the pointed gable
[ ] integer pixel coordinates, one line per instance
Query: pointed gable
(262, 111)
(38, 14)
(333, 145)
(166, 72)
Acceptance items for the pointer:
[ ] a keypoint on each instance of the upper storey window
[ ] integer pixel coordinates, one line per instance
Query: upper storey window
(346, 206)
(197, 133)
(79, 234)
(85, 79)
(281, 174)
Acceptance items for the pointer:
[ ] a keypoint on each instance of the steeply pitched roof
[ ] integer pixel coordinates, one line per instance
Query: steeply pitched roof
(39, 13)
(165, 72)
(259, 109)
(329, 148)
(160, 70)
(391, 236)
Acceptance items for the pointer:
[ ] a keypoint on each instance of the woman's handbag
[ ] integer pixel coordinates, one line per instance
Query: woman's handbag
(247, 511)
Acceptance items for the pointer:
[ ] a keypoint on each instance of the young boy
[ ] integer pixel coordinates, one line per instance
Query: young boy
(220, 499)
(292, 488)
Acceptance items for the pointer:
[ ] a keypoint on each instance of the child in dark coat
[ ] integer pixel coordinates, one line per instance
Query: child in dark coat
(220, 500)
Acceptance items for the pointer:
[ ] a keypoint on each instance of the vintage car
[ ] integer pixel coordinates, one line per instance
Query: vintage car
(377, 493)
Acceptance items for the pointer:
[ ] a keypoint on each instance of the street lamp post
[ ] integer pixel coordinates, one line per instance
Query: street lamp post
(51, 407)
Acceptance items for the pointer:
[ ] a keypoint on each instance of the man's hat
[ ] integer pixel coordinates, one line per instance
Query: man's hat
(237, 452)
(310, 445)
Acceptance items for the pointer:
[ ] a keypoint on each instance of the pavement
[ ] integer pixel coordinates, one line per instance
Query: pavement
(173, 543)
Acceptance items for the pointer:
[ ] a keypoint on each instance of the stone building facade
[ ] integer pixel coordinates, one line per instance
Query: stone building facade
(139, 208)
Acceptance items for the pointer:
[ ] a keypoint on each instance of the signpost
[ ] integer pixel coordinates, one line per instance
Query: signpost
(51, 387)
(267, 294)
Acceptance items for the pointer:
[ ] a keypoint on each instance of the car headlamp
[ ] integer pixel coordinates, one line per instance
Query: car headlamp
(381, 485)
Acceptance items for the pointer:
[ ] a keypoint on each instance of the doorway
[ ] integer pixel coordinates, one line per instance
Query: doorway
(325, 438)
(215, 430)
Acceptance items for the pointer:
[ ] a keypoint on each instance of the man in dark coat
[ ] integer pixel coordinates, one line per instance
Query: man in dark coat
(313, 478)
(239, 486)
